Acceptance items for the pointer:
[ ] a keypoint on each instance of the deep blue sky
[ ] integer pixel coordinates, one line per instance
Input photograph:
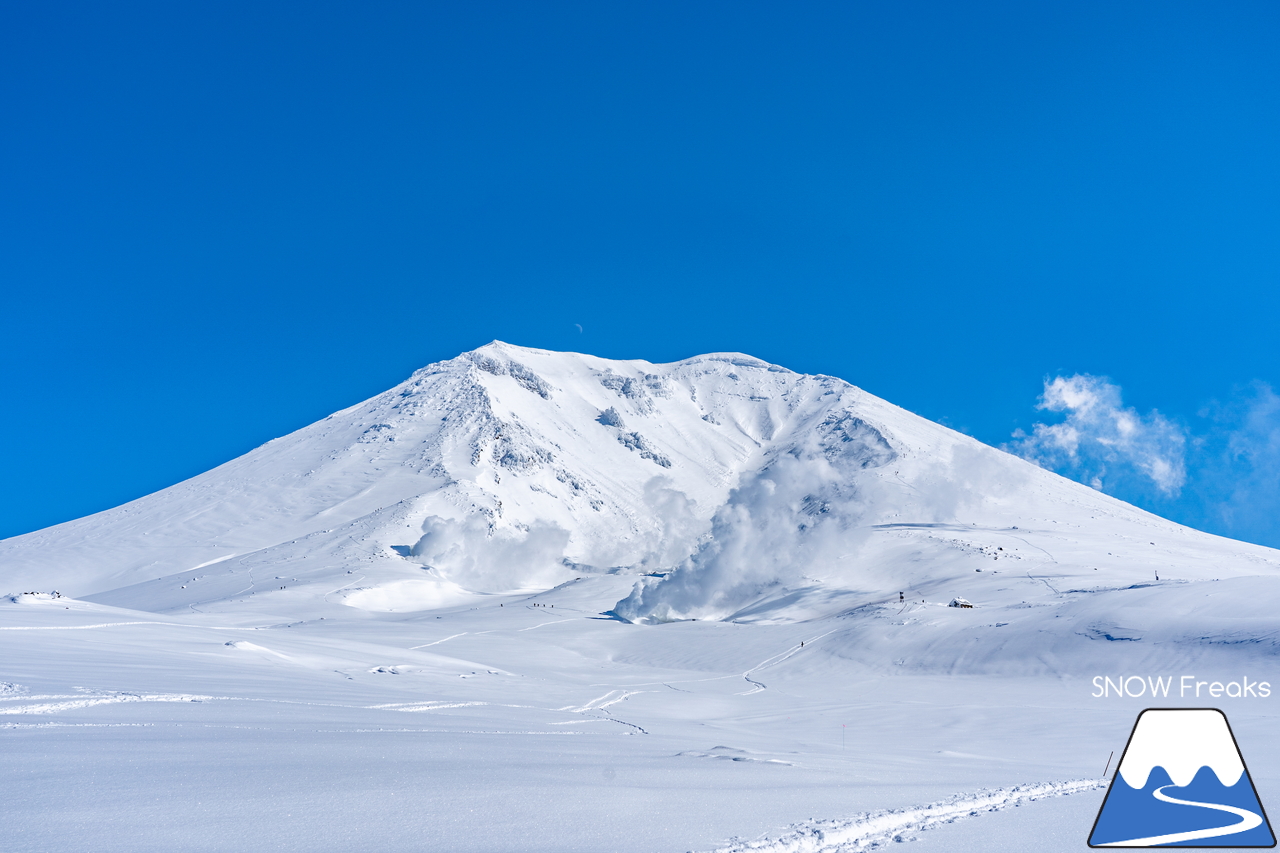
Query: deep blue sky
(222, 221)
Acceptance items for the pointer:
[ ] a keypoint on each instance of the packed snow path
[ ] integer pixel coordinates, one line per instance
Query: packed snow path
(874, 829)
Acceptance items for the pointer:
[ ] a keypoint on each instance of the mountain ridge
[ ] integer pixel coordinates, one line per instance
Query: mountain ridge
(512, 468)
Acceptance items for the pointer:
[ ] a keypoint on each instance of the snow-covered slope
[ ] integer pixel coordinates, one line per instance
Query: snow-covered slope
(511, 468)
(529, 600)
(769, 493)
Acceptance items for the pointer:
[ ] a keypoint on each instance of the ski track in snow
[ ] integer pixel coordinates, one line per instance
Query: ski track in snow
(252, 582)
(24, 726)
(52, 703)
(57, 703)
(601, 702)
(1044, 581)
(71, 703)
(341, 588)
(758, 686)
(414, 707)
(871, 830)
(78, 627)
(438, 642)
(554, 622)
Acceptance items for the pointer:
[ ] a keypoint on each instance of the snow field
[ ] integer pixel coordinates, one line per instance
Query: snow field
(875, 829)
(543, 601)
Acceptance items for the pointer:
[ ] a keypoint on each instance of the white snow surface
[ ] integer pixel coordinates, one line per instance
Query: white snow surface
(897, 825)
(530, 600)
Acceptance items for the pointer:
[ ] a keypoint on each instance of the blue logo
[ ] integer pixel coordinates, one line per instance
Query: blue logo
(1181, 783)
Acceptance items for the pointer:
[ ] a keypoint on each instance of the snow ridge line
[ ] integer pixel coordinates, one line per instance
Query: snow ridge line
(873, 829)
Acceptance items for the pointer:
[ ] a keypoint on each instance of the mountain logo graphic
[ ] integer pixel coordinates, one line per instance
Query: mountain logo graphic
(1181, 782)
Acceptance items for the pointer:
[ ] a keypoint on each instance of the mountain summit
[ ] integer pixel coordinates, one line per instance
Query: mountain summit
(730, 487)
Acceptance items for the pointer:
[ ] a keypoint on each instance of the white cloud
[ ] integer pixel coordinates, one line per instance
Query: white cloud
(1238, 466)
(1101, 441)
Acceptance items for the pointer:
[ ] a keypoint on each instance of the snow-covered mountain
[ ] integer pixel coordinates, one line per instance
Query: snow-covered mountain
(730, 487)
(545, 601)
